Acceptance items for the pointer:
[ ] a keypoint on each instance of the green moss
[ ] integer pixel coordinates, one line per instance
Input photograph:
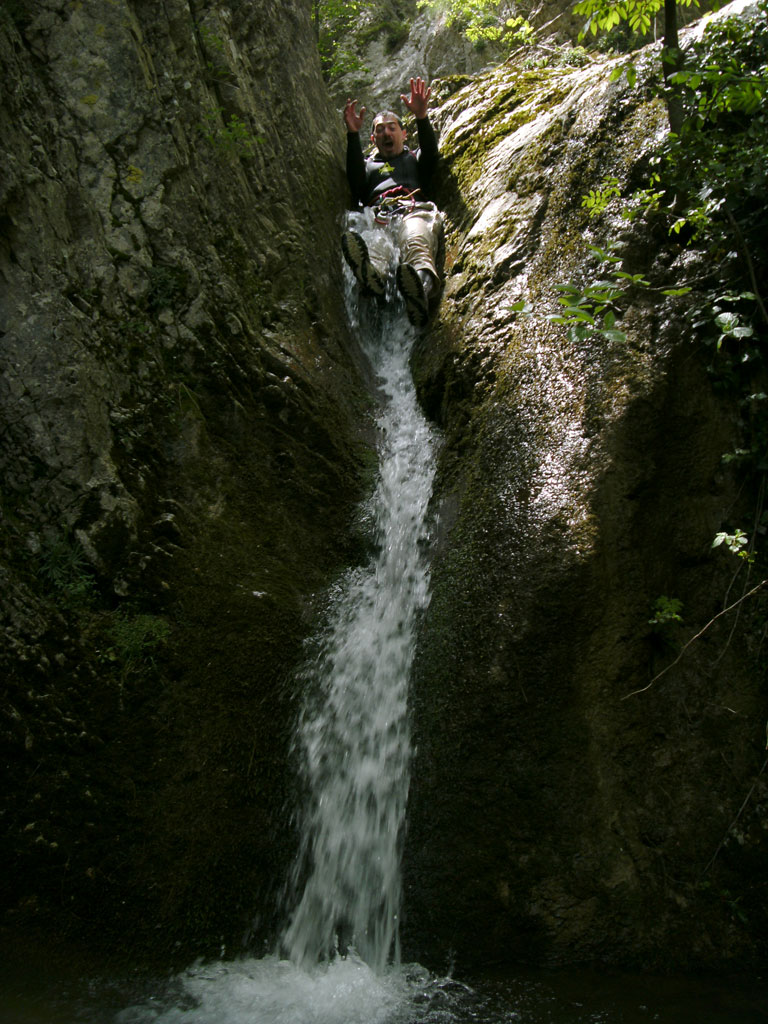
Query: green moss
(513, 104)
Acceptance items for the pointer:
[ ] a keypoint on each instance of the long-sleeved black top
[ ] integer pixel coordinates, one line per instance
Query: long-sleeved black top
(370, 179)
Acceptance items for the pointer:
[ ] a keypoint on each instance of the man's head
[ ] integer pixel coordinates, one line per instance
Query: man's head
(388, 134)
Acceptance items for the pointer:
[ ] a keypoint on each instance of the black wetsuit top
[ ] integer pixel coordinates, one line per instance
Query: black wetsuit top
(370, 179)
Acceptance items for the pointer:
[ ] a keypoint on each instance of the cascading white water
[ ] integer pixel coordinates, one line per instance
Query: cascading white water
(354, 744)
(353, 734)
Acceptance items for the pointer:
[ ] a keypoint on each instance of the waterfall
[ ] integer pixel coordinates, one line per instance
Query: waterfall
(353, 743)
(353, 736)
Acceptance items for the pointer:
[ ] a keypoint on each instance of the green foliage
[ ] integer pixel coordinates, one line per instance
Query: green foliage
(335, 25)
(729, 321)
(232, 138)
(521, 308)
(134, 641)
(485, 21)
(604, 15)
(737, 543)
(573, 56)
(666, 611)
(629, 70)
(596, 306)
(64, 567)
(338, 59)
(560, 56)
(589, 308)
(708, 184)
(717, 167)
(597, 199)
(723, 145)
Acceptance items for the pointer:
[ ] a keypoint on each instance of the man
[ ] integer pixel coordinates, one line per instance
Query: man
(394, 181)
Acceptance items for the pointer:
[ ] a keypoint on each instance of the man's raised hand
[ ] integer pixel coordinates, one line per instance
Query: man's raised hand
(419, 98)
(353, 120)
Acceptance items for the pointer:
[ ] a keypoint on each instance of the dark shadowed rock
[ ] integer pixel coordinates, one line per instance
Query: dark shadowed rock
(553, 817)
(183, 441)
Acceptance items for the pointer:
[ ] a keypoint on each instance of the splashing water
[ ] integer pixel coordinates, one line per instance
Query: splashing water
(273, 991)
(353, 734)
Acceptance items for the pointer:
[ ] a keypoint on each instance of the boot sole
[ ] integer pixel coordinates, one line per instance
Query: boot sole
(356, 254)
(412, 290)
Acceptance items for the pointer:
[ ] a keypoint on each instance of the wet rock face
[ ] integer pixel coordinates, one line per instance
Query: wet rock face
(550, 819)
(182, 441)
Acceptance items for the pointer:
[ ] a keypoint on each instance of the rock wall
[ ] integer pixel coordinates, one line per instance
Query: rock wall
(553, 817)
(185, 432)
(183, 441)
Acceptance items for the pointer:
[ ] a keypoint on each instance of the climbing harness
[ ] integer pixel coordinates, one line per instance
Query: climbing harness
(395, 202)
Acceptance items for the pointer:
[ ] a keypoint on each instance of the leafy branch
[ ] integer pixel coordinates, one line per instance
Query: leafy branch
(693, 639)
(596, 307)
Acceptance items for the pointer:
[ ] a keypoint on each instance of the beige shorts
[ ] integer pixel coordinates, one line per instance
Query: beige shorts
(418, 237)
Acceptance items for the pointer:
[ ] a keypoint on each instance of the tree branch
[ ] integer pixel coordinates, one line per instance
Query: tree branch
(701, 632)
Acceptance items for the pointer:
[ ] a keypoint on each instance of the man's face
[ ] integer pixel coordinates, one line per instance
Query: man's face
(388, 137)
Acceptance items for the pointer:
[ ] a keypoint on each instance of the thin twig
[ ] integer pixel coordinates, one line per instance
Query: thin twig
(728, 830)
(748, 259)
(672, 664)
(536, 32)
(750, 552)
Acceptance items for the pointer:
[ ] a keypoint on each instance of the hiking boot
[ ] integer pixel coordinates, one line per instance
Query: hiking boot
(356, 254)
(415, 286)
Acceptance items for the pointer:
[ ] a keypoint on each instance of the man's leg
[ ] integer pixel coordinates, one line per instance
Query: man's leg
(418, 277)
(368, 268)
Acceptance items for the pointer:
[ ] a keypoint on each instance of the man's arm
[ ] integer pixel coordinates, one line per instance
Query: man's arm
(355, 158)
(418, 103)
(428, 151)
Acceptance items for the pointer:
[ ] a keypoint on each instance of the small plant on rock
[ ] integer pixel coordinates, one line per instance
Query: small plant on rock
(232, 138)
(65, 567)
(666, 611)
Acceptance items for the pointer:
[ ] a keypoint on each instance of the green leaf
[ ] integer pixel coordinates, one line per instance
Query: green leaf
(521, 307)
(582, 315)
